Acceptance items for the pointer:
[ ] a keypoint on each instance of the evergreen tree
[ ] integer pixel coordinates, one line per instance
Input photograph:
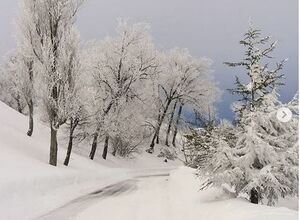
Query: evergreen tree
(258, 165)
(261, 79)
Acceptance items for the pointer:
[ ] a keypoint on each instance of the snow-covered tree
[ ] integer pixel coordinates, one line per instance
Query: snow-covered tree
(129, 130)
(77, 113)
(121, 67)
(258, 165)
(10, 93)
(26, 73)
(26, 67)
(48, 32)
(261, 79)
(183, 79)
(261, 149)
(17, 81)
(206, 146)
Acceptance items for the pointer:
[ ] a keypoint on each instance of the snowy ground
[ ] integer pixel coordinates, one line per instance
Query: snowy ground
(140, 189)
(176, 197)
(29, 187)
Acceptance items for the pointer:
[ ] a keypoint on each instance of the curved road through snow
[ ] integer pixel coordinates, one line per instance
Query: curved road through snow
(139, 198)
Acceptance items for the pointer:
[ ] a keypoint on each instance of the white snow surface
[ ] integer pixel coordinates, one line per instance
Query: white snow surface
(176, 198)
(30, 187)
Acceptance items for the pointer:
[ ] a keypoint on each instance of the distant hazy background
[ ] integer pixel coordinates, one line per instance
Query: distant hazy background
(210, 28)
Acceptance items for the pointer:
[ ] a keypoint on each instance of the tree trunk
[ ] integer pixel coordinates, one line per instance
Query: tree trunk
(94, 145)
(151, 149)
(95, 140)
(157, 136)
(254, 197)
(30, 107)
(19, 107)
(53, 147)
(176, 126)
(70, 146)
(30, 101)
(170, 124)
(73, 125)
(115, 149)
(105, 149)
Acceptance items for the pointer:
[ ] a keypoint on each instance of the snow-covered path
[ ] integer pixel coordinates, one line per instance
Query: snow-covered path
(144, 197)
(150, 200)
(165, 195)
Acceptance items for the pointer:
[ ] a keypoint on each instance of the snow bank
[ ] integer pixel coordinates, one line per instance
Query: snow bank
(213, 204)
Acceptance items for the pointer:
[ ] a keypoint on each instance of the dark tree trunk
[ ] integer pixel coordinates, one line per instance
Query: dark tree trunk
(105, 149)
(73, 126)
(30, 101)
(30, 107)
(69, 151)
(95, 140)
(151, 149)
(114, 153)
(94, 145)
(177, 124)
(254, 197)
(19, 107)
(53, 147)
(170, 124)
(157, 136)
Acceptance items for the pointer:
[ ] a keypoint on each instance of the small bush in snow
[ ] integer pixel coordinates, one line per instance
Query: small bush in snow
(168, 154)
(123, 147)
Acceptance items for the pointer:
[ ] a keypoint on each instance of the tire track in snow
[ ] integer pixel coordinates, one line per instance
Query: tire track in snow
(74, 207)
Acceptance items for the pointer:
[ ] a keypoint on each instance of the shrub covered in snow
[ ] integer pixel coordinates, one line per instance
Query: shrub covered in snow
(168, 154)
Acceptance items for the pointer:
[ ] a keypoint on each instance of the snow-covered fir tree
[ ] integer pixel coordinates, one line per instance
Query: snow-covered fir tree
(258, 165)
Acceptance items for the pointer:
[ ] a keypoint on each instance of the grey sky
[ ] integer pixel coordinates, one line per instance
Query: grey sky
(210, 28)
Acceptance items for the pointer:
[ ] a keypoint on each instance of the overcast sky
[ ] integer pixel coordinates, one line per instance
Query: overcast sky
(210, 28)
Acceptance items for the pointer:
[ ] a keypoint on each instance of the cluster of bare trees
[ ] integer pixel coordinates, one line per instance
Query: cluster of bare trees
(121, 90)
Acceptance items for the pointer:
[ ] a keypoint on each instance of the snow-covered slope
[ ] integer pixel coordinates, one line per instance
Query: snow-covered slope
(28, 185)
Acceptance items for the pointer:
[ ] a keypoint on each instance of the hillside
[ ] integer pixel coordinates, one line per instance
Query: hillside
(29, 186)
